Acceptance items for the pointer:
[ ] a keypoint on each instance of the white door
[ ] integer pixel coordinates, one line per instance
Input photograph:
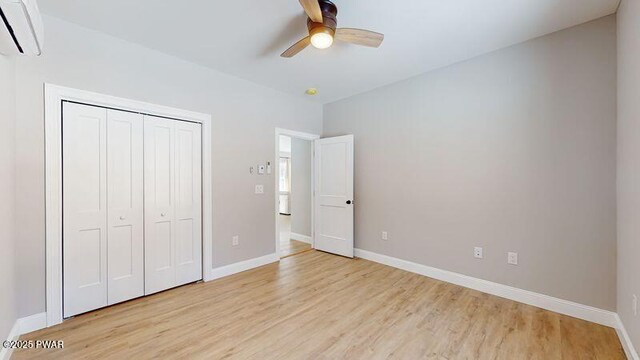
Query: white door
(84, 197)
(103, 243)
(173, 238)
(125, 215)
(188, 211)
(334, 195)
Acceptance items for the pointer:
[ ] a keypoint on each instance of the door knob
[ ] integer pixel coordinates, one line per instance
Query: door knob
(348, 202)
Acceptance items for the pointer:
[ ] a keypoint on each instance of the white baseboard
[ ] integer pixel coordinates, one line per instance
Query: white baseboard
(580, 311)
(627, 345)
(22, 326)
(32, 323)
(14, 334)
(300, 237)
(242, 266)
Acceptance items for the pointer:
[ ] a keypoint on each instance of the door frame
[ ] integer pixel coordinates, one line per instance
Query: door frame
(303, 136)
(54, 95)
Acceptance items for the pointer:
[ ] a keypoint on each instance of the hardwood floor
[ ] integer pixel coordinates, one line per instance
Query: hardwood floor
(292, 247)
(319, 306)
(289, 246)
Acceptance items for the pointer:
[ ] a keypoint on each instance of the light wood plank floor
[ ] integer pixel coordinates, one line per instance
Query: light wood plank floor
(289, 246)
(319, 306)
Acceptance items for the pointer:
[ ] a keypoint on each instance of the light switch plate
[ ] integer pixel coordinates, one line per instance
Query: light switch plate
(261, 169)
(259, 189)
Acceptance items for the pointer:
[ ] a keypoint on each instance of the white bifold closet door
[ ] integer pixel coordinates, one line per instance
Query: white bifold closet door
(103, 244)
(173, 218)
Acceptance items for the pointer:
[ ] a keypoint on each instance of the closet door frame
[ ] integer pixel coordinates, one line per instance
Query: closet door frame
(54, 97)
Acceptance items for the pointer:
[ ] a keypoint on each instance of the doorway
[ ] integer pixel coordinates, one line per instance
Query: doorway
(55, 98)
(294, 192)
(131, 205)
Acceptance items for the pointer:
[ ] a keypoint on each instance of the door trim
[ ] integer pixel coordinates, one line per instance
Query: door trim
(276, 171)
(54, 96)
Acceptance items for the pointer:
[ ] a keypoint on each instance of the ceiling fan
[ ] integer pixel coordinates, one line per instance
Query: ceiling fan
(322, 25)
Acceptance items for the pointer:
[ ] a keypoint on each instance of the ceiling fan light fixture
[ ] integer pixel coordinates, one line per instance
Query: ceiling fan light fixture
(322, 24)
(321, 37)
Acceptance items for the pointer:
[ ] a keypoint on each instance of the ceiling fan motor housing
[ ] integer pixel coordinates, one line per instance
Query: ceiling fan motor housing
(329, 19)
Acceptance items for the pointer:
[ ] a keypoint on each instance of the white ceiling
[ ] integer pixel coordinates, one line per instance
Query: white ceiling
(245, 37)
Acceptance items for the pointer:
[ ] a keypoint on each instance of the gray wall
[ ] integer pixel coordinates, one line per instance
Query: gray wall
(629, 164)
(7, 196)
(301, 186)
(512, 151)
(244, 118)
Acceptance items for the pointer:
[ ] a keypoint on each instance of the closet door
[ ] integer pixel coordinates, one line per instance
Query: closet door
(84, 184)
(173, 235)
(125, 218)
(159, 184)
(188, 213)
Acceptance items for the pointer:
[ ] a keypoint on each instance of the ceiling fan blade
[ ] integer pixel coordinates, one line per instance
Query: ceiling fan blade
(312, 8)
(296, 48)
(359, 37)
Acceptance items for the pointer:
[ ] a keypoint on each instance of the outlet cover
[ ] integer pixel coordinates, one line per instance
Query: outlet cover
(235, 240)
(512, 258)
(477, 252)
(259, 189)
(635, 305)
(385, 235)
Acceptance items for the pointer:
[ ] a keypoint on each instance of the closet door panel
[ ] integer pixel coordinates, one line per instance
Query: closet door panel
(159, 183)
(84, 183)
(188, 202)
(125, 205)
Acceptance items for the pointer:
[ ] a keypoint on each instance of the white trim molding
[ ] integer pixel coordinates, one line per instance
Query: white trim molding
(244, 266)
(300, 237)
(23, 326)
(580, 311)
(14, 334)
(31, 323)
(276, 168)
(54, 96)
(627, 345)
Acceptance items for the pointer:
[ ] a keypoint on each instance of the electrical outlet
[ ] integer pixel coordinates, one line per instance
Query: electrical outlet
(259, 189)
(635, 305)
(235, 240)
(477, 252)
(385, 236)
(512, 258)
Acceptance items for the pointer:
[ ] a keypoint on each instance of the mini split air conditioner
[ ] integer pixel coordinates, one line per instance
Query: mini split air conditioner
(21, 30)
